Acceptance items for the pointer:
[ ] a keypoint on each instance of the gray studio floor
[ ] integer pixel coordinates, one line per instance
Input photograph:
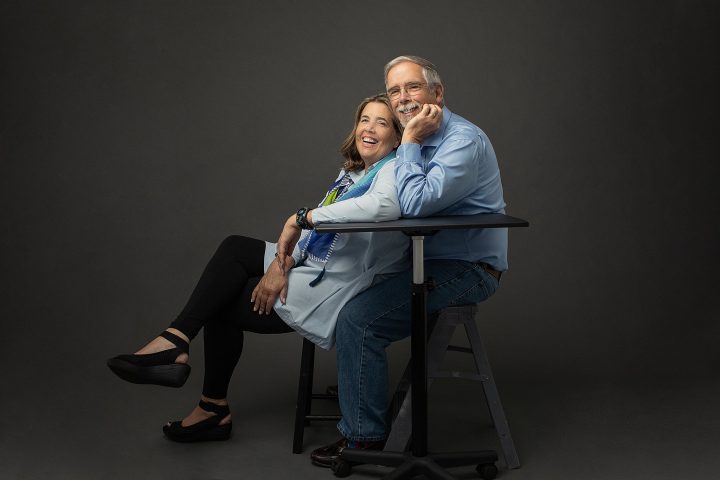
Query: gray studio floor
(571, 428)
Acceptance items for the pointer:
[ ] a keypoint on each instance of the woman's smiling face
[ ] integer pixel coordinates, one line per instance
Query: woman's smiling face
(375, 135)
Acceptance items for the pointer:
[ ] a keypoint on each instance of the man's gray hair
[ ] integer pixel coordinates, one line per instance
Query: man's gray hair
(432, 77)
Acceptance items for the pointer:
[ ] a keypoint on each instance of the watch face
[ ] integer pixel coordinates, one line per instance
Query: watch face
(300, 218)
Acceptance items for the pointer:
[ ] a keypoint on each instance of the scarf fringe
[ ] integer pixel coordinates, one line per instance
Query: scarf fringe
(318, 278)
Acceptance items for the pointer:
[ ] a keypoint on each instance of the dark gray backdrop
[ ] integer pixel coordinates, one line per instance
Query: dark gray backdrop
(136, 135)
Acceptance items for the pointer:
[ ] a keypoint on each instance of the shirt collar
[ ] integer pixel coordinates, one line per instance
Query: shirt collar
(355, 175)
(434, 139)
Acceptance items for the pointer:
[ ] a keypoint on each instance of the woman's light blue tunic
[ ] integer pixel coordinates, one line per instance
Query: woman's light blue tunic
(356, 260)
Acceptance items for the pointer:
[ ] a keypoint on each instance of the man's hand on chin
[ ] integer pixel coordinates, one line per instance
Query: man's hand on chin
(424, 124)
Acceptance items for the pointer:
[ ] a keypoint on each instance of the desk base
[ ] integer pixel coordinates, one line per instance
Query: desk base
(410, 466)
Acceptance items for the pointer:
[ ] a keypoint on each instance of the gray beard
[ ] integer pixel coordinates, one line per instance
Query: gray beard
(404, 122)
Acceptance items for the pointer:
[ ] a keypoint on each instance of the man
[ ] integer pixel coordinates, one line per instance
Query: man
(445, 166)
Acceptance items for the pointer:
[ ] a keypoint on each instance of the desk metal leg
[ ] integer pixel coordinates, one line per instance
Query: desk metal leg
(417, 350)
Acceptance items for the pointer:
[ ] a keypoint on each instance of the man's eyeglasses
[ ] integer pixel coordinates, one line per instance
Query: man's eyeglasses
(412, 89)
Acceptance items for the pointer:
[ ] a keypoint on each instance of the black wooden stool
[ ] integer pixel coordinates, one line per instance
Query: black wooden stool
(303, 414)
(439, 340)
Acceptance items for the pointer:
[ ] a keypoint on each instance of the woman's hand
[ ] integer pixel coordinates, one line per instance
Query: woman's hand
(272, 284)
(288, 239)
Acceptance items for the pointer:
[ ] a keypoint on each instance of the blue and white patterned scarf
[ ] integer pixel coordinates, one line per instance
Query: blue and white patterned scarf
(319, 246)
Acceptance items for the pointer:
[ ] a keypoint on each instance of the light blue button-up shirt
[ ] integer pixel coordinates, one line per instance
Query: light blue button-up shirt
(454, 172)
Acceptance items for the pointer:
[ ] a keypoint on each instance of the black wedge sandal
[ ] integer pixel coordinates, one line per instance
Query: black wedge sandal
(206, 430)
(154, 368)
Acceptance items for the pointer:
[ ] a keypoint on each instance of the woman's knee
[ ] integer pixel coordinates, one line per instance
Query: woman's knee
(233, 242)
(242, 247)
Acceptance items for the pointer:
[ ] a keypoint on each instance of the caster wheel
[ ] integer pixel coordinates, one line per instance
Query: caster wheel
(487, 471)
(341, 468)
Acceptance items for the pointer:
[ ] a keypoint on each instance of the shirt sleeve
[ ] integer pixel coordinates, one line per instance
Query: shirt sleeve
(450, 175)
(380, 204)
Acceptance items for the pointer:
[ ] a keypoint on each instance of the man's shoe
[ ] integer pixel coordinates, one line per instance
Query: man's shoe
(324, 456)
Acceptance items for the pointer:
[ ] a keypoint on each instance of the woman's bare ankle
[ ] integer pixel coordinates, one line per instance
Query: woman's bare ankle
(199, 414)
(177, 332)
(216, 401)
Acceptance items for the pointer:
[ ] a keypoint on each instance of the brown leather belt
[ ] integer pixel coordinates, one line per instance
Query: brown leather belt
(490, 270)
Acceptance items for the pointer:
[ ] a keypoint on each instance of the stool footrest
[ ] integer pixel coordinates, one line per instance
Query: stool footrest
(454, 348)
(322, 418)
(463, 375)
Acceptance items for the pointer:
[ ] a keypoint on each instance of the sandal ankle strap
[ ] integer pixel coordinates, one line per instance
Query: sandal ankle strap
(177, 341)
(220, 410)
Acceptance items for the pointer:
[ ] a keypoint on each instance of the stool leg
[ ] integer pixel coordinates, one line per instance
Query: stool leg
(400, 428)
(310, 378)
(493, 397)
(304, 398)
(438, 343)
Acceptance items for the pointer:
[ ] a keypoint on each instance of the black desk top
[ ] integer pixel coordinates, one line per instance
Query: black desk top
(427, 225)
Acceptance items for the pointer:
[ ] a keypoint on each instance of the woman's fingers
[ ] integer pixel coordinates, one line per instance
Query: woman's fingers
(260, 304)
(269, 302)
(258, 295)
(273, 284)
(255, 292)
(263, 299)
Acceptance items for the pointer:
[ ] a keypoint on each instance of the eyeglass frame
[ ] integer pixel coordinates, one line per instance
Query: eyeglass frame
(395, 92)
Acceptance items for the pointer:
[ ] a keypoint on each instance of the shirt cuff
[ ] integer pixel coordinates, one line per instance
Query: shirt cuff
(319, 216)
(408, 152)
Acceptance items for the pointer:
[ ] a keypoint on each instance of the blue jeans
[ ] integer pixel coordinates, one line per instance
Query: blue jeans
(381, 315)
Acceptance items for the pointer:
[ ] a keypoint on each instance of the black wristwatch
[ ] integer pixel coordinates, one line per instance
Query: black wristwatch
(301, 218)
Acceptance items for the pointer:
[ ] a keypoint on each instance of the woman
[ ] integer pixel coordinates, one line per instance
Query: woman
(303, 291)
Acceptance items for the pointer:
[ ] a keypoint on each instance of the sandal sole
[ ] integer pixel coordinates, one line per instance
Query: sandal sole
(218, 433)
(173, 375)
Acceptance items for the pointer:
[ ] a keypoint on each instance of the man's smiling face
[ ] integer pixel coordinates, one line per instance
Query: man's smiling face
(408, 91)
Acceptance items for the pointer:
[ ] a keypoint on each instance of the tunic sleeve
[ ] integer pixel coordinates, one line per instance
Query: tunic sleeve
(379, 204)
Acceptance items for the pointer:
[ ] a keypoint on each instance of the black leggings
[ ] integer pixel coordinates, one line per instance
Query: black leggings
(221, 304)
